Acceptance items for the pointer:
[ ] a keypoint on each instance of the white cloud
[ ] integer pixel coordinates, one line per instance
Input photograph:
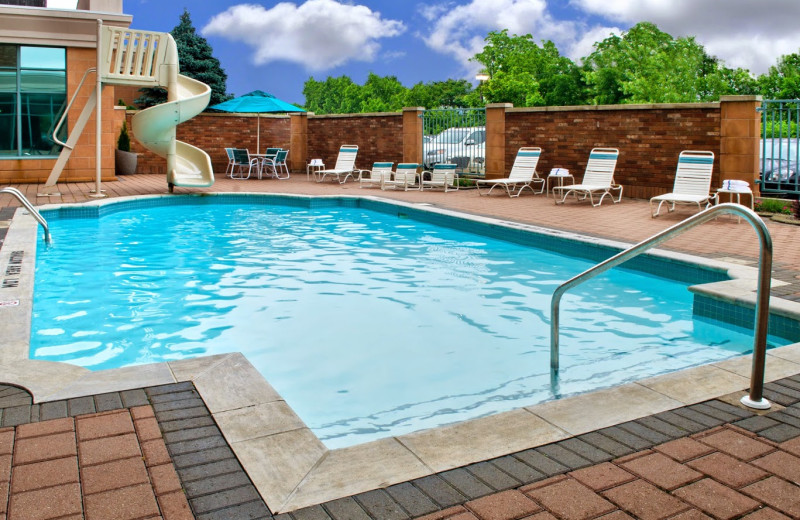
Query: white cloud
(742, 33)
(460, 30)
(319, 34)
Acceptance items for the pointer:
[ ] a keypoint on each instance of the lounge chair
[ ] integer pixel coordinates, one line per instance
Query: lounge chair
(692, 182)
(599, 178)
(405, 177)
(345, 165)
(443, 176)
(523, 174)
(377, 175)
(241, 162)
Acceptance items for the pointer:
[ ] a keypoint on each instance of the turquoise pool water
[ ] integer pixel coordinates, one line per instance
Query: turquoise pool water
(368, 323)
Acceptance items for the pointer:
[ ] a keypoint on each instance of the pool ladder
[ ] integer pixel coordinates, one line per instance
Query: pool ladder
(38, 216)
(755, 398)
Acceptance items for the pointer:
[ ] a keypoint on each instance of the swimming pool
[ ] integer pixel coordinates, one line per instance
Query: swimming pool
(409, 286)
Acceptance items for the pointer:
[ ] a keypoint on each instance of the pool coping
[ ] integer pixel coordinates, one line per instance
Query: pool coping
(288, 464)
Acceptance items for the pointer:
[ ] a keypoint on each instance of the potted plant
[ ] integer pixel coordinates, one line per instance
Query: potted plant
(124, 159)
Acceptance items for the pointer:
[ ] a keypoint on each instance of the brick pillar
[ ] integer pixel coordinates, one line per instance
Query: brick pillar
(496, 140)
(298, 141)
(740, 132)
(412, 134)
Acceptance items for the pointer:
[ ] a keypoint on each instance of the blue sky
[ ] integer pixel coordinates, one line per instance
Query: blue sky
(277, 46)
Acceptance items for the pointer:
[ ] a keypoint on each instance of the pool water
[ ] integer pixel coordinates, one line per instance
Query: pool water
(367, 323)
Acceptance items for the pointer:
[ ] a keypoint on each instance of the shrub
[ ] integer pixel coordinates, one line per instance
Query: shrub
(774, 206)
(124, 141)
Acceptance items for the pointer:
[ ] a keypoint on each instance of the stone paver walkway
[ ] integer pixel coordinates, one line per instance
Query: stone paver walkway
(96, 466)
(167, 459)
(156, 452)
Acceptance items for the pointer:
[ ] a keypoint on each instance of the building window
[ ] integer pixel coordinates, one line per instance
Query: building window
(33, 94)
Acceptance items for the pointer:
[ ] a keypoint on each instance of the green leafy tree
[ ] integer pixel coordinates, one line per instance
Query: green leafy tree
(382, 94)
(647, 65)
(526, 74)
(451, 93)
(196, 61)
(332, 96)
(783, 79)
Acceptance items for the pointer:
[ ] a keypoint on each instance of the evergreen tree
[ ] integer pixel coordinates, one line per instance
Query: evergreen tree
(196, 61)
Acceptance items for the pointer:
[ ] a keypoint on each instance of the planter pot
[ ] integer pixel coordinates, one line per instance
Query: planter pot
(125, 162)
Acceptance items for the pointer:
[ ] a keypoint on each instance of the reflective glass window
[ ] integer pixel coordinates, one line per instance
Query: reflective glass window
(33, 94)
(43, 58)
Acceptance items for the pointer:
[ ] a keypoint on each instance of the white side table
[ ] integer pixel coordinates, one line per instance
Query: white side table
(560, 179)
(738, 195)
(313, 168)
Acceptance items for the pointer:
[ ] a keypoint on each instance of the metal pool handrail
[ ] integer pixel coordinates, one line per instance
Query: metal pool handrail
(38, 216)
(755, 399)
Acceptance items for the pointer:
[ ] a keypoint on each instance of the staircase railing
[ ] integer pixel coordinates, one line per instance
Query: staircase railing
(755, 398)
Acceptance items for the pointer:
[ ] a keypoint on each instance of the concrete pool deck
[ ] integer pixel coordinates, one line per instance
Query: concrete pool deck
(293, 471)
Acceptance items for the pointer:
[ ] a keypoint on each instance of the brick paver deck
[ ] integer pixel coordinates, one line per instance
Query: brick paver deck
(157, 453)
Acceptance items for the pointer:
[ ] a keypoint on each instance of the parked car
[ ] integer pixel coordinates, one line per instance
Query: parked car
(780, 174)
(464, 146)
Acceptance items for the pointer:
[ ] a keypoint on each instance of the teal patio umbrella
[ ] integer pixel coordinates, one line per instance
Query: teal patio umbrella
(256, 102)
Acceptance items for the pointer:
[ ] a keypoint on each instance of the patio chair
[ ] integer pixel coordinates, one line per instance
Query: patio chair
(229, 167)
(377, 175)
(405, 176)
(443, 176)
(598, 178)
(523, 174)
(692, 182)
(345, 165)
(275, 166)
(241, 162)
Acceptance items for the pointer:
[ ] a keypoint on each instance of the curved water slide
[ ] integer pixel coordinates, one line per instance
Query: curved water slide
(154, 127)
(148, 58)
(145, 59)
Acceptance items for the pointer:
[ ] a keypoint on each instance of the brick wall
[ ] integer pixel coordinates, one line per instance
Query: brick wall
(649, 140)
(379, 137)
(215, 132)
(649, 137)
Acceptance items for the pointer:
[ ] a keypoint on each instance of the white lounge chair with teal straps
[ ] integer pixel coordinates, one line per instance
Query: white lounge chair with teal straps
(598, 179)
(376, 176)
(692, 182)
(442, 176)
(345, 165)
(405, 176)
(523, 174)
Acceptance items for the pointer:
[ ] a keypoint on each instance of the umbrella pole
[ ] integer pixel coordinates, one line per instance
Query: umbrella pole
(258, 132)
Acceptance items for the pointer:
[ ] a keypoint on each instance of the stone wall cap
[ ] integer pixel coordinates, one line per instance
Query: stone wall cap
(740, 98)
(500, 105)
(413, 109)
(652, 106)
(370, 114)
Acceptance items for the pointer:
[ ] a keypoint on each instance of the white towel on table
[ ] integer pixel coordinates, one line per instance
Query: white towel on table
(559, 172)
(736, 185)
